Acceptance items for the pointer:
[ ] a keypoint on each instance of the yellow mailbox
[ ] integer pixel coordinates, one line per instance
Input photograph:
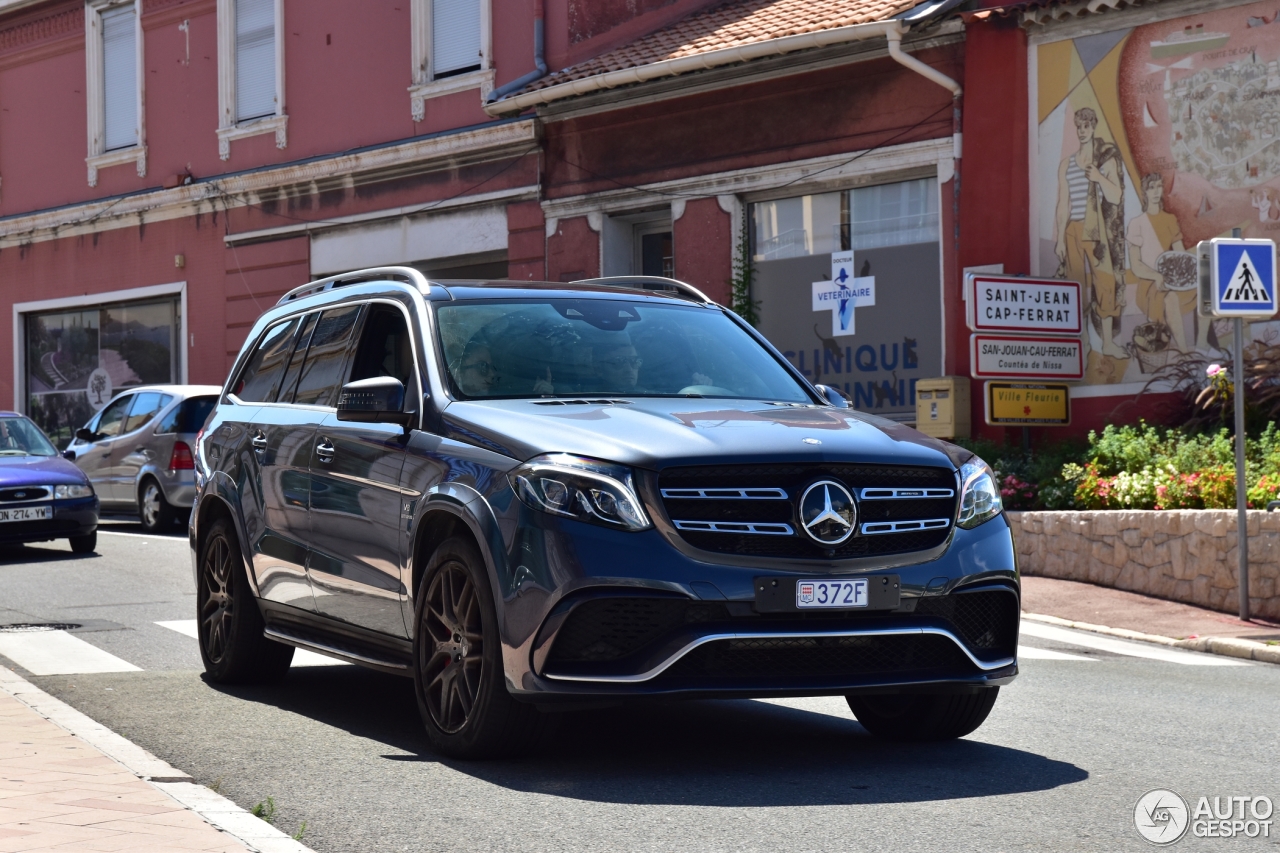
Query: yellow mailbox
(942, 407)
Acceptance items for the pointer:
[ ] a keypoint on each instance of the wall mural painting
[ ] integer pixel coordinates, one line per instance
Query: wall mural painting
(1150, 140)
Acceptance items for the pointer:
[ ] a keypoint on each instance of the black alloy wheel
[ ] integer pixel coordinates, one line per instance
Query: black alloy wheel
(229, 623)
(451, 673)
(457, 661)
(923, 716)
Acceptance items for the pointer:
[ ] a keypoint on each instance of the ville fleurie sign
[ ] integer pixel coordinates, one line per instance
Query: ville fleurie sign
(1028, 305)
(1018, 357)
(1027, 404)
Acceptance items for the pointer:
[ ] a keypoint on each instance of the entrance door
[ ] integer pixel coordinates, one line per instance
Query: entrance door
(356, 565)
(95, 458)
(274, 498)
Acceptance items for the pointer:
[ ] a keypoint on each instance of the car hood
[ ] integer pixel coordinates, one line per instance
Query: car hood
(38, 471)
(655, 433)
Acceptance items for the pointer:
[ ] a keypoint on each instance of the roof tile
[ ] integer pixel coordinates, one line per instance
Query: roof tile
(731, 24)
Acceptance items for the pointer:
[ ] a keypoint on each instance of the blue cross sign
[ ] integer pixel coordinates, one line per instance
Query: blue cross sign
(1242, 277)
(843, 293)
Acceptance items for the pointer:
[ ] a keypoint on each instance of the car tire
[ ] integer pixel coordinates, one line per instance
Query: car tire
(154, 511)
(84, 544)
(229, 623)
(457, 661)
(923, 716)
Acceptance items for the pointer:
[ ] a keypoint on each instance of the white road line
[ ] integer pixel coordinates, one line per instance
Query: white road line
(1032, 653)
(59, 653)
(301, 657)
(1123, 647)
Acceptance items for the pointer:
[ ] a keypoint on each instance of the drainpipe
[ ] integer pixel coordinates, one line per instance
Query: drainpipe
(539, 59)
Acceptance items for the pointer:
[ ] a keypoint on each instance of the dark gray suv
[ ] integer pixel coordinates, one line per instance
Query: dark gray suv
(519, 494)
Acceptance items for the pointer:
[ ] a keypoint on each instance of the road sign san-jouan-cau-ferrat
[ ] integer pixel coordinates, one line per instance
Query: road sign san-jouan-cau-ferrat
(1240, 279)
(1040, 306)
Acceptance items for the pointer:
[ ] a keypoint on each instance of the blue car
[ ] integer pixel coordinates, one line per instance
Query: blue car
(42, 495)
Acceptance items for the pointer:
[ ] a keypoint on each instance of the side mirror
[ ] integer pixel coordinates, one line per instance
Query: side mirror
(376, 400)
(69, 455)
(834, 396)
(86, 435)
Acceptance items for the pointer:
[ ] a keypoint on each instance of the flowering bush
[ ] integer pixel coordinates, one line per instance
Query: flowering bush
(1140, 467)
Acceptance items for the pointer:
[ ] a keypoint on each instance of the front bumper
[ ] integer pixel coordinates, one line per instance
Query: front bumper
(640, 618)
(77, 517)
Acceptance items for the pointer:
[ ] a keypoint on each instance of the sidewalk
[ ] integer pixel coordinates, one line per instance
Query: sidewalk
(59, 793)
(69, 783)
(1099, 605)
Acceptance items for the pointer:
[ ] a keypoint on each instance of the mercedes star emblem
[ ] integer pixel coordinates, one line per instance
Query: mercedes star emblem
(827, 513)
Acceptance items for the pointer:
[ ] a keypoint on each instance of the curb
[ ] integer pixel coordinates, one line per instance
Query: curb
(213, 808)
(1228, 646)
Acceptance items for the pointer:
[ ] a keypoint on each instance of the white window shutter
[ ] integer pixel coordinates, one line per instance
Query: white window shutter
(255, 59)
(455, 35)
(120, 77)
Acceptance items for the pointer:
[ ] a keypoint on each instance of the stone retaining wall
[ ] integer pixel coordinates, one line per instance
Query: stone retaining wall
(1181, 555)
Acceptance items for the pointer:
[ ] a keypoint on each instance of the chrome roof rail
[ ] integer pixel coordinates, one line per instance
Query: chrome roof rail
(405, 274)
(654, 283)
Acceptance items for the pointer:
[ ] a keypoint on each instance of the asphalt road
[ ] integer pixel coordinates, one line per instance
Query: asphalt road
(1088, 727)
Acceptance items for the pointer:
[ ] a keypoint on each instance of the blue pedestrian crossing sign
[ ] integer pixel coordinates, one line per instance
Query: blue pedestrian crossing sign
(1242, 278)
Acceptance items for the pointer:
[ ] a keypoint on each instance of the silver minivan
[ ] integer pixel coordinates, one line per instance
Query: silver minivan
(137, 451)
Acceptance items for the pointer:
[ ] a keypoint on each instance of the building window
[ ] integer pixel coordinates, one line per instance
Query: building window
(77, 358)
(875, 353)
(450, 46)
(250, 72)
(114, 97)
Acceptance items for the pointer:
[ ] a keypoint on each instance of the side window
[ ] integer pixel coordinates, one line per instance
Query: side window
(291, 375)
(327, 356)
(384, 348)
(188, 416)
(261, 377)
(145, 406)
(113, 416)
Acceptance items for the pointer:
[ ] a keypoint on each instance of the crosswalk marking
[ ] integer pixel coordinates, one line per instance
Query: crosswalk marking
(1123, 647)
(59, 653)
(301, 657)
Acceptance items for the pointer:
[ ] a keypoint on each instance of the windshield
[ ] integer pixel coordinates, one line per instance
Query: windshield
(577, 347)
(20, 437)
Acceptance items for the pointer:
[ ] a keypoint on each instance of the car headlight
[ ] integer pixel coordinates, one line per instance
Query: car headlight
(582, 489)
(980, 498)
(62, 493)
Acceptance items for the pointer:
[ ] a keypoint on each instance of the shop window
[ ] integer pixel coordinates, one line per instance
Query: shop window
(892, 231)
(77, 359)
(250, 72)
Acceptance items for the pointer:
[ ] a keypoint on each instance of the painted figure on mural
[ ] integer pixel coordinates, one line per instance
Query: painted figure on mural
(1152, 233)
(1090, 227)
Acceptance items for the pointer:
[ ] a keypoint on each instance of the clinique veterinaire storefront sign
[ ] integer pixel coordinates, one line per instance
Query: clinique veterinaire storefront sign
(1025, 404)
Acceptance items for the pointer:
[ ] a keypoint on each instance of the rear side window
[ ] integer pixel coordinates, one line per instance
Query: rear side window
(290, 384)
(188, 416)
(327, 356)
(145, 406)
(260, 379)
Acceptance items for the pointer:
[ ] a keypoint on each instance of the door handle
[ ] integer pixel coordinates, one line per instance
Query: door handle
(259, 441)
(324, 450)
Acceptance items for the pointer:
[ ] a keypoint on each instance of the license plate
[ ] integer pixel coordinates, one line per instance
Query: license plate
(831, 593)
(26, 513)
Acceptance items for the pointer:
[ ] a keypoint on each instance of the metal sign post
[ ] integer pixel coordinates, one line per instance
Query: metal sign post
(1238, 280)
